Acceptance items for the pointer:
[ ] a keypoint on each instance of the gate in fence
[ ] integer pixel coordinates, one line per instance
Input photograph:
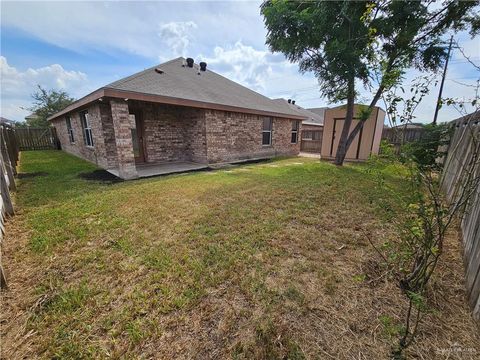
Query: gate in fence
(37, 138)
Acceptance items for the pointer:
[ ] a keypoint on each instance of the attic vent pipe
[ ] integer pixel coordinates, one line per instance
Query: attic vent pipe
(189, 62)
(203, 66)
(293, 102)
(289, 101)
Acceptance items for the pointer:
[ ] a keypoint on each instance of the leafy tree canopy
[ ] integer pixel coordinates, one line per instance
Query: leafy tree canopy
(45, 104)
(369, 42)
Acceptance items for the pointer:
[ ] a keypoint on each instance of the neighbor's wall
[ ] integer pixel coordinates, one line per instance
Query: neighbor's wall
(234, 136)
(103, 152)
(367, 140)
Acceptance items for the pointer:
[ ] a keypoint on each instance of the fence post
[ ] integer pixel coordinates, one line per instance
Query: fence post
(6, 161)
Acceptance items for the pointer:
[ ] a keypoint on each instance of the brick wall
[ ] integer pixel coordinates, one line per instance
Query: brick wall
(174, 133)
(109, 136)
(122, 127)
(236, 136)
(95, 154)
(195, 135)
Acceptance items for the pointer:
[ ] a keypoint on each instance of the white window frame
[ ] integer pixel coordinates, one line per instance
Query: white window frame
(68, 121)
(268, 131)
(87, 129)
(295, 128)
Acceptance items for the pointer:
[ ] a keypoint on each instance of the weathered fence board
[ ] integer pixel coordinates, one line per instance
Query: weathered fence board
(311, 141)
(8, 162)
(36, 138)
(400, 135)
(464, 146)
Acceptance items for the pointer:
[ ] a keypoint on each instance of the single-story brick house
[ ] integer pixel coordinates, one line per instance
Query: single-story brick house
(175, 113)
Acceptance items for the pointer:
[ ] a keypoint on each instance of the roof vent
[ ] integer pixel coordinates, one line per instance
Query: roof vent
(158, 70)
(289, 101)
(189, 62)
(203, 66)
(293, 102)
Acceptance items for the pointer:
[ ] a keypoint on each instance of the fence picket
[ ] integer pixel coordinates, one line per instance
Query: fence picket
(36, 138)
(8, 161)
(464, 143)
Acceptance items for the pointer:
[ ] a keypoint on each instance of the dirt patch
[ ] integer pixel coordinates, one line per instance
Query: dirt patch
(31, 175)
(101, 176)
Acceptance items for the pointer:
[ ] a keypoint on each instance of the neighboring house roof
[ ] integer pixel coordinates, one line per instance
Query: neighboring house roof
(312, 118)
(6, 121)
(319, 111)
(31, 116)
(175, 83)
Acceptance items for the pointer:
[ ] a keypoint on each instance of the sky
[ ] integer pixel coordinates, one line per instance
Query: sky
(81, 46)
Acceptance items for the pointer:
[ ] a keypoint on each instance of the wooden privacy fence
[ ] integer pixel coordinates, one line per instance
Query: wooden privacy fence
(311, 141)
(8, 161)
(463, 158)
(397, 136)
(37, 138)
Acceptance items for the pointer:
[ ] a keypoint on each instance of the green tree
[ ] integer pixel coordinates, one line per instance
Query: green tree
(45, 104)
(370, 43)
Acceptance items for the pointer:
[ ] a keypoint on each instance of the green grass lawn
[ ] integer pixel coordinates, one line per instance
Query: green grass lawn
(257, 261)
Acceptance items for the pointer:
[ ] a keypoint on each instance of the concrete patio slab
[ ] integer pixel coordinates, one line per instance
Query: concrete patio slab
(148, 170)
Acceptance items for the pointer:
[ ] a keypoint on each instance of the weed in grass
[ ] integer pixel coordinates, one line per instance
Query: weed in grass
(70, 299)
(135, 331)
(293, 294)
(391, 328)
(359, 278)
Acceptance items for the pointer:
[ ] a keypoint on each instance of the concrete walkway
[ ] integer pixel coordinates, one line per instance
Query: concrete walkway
(310, 155)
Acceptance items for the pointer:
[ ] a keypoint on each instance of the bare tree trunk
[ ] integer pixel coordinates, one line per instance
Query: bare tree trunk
(342, 144)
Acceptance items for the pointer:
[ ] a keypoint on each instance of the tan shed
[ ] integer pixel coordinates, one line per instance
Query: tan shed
(365, 143)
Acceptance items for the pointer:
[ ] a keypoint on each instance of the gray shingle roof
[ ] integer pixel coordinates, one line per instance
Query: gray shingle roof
(311, 117)
(320, 113)
(180, 81)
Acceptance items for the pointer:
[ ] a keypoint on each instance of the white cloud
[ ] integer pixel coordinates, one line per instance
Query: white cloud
(177, 36)
(229, 35)
(242, 63)
(140, 28)
(17, 85)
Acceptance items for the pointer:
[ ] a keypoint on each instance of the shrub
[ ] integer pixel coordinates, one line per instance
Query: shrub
(432, 146)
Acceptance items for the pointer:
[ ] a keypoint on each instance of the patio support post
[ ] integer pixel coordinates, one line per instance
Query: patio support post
(123, 139)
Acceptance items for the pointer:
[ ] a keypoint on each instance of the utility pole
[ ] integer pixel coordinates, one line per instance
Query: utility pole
(434, 122)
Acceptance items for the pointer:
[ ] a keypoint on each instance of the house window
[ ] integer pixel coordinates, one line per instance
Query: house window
(267, 131)
(87, 130)
(295, 125)
(70, 129)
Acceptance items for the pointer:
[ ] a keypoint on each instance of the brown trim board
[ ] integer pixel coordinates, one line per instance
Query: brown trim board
(115, 93)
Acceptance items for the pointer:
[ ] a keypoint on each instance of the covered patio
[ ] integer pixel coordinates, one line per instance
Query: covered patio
(151, 139)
